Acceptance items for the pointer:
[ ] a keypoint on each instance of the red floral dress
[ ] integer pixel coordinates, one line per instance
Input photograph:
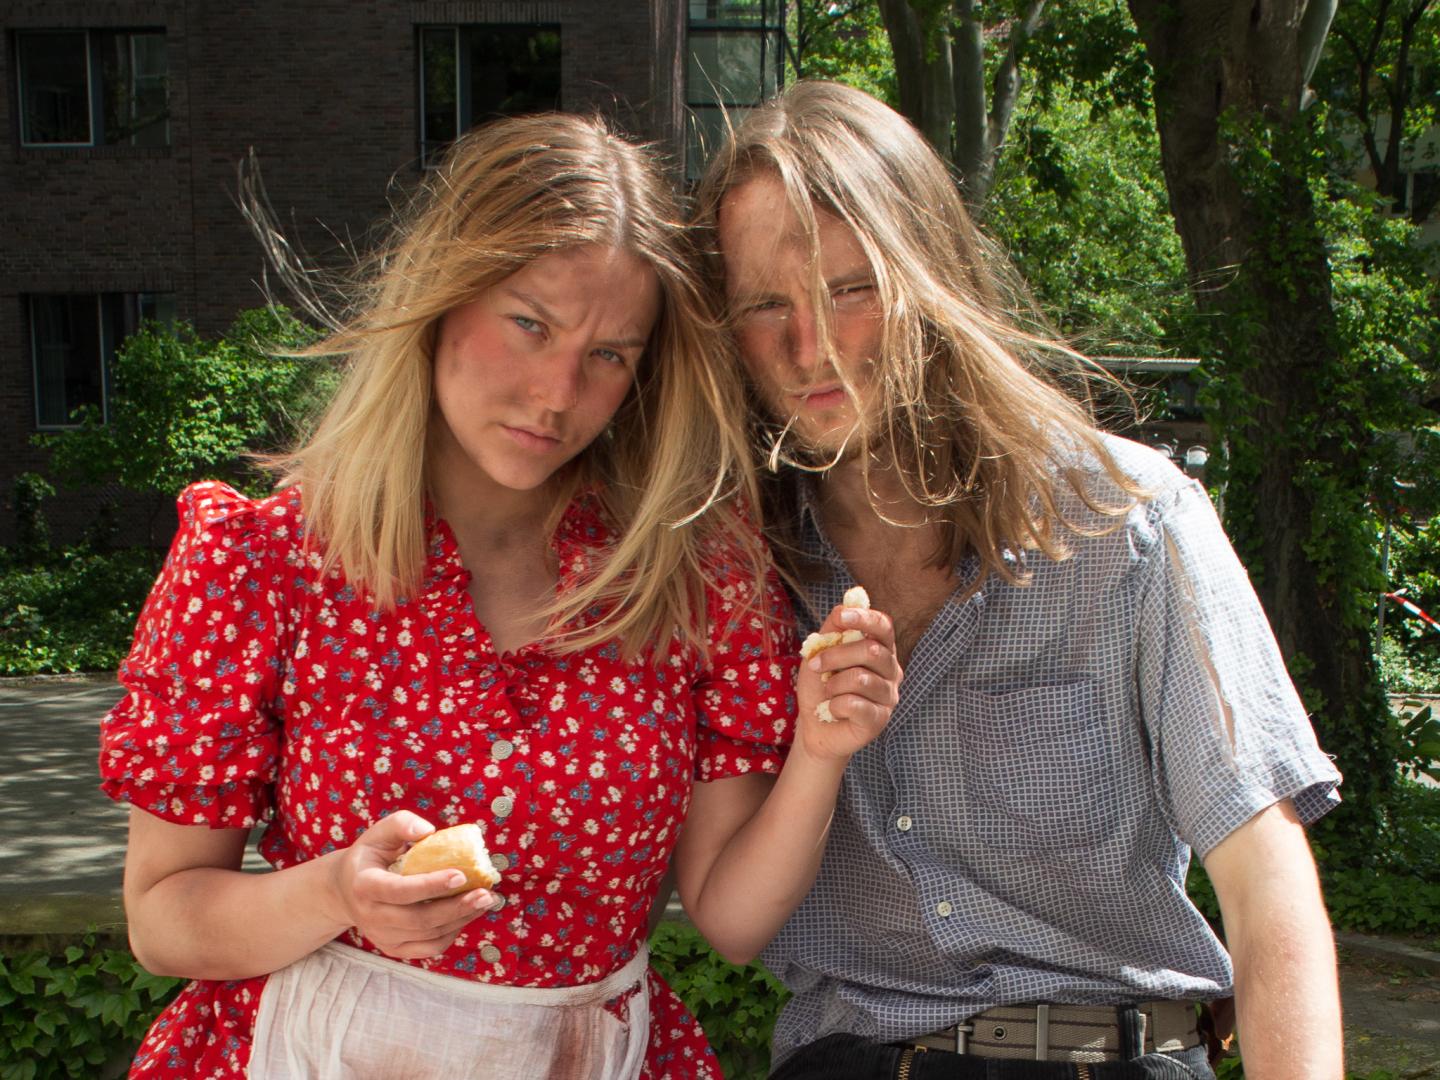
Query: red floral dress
(261, 688)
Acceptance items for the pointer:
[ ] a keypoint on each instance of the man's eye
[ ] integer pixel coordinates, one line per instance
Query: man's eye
(854, 294)
(762, 307)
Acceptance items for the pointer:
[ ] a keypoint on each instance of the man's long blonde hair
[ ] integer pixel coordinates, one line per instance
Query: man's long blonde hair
(970, 412)
(506, 194)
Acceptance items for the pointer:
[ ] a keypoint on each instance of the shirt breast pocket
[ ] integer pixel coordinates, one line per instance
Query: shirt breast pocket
(1037, 767)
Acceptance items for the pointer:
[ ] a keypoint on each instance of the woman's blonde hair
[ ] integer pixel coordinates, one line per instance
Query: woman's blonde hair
(969, 408)
(506, 194)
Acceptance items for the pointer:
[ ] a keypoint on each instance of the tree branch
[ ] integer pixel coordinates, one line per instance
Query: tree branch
(1006, 92)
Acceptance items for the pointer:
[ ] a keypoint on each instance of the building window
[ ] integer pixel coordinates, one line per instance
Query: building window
(92, 87)
(73, 341)
(736, 61)
(469, 74)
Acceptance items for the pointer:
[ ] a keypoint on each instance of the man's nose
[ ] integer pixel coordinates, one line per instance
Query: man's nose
(803, 339)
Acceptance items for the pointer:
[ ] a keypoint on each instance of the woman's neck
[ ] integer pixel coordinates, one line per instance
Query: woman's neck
(480, 511)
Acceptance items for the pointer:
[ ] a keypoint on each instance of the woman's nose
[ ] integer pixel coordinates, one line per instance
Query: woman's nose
(560, 380)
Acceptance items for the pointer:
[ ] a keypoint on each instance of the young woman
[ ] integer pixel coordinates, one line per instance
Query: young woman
(508, 580)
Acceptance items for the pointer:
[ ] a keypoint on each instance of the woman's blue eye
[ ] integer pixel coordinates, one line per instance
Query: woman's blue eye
(610, 356)
(530, 326)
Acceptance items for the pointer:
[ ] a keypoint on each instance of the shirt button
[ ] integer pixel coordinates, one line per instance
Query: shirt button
(500, 749)
(502, 805)
(490, 954)
(944, 909)
(500, 862)
(903, 823)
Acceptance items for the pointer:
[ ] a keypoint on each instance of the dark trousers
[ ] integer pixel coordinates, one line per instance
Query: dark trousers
(848, 1057)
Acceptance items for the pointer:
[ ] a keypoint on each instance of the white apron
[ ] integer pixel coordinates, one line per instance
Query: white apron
(345, 1014)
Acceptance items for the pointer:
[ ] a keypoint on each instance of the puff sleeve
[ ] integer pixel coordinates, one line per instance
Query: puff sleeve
(745, 699)
(196, 740)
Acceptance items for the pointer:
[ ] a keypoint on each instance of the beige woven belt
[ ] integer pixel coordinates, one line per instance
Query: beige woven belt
(1071, 1033)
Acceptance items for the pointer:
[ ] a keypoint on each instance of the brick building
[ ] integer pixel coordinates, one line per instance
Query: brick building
(127, 118)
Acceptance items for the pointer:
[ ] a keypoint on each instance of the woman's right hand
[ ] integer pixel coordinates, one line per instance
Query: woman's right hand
(408, 917)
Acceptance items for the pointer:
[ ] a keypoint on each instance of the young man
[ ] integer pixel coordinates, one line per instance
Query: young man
(1092, 691)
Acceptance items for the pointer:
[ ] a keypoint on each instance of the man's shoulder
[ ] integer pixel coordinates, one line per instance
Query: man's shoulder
(1148, 470)
(1120, 488)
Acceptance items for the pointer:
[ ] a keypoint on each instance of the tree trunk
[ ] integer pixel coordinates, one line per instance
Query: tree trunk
(1228, 84)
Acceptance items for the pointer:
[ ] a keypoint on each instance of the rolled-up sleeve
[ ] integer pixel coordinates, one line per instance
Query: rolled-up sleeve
(1228, 733)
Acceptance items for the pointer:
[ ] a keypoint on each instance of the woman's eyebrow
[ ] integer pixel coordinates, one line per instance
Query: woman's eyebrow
(540, 309)
(548, 316)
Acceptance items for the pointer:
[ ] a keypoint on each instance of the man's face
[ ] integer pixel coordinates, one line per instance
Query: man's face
(769, 271)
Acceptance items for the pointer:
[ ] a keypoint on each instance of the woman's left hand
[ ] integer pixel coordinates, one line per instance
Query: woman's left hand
(862, 689)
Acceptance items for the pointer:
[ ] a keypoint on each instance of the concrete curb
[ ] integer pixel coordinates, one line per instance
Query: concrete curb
(51, 922)
(1398, 952)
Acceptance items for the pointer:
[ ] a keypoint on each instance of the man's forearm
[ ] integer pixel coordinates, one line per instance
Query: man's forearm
(1287, 995)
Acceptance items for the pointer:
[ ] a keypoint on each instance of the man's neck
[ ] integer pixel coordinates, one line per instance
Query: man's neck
(889, 541)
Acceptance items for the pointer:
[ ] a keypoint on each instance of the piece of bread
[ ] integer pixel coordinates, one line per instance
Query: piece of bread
(814, 644)
(461, 847)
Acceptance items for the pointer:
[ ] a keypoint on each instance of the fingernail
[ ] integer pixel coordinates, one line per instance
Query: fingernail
(815, 663)
(456, 880)
(849, 618)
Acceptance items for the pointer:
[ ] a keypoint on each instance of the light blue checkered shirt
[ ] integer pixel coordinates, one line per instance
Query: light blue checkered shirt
(1022, 829)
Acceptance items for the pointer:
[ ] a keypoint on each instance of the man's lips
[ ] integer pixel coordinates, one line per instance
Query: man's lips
(824, 397)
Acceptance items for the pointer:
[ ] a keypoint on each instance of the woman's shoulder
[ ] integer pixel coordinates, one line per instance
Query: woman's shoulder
(214, 511)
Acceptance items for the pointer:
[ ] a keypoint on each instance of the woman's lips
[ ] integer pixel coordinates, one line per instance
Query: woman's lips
(531, 439)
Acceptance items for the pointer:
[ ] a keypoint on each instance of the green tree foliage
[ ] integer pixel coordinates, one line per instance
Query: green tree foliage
(843, 43)
(1078, 197)
(185, 409)
(1080, 204)
(1381, 74)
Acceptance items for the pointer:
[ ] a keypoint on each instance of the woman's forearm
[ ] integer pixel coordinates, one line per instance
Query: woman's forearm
(213, 922)
(760, 875)
(193, 913)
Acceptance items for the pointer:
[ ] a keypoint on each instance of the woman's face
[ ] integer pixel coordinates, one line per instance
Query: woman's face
(769, 270)
(531, 371)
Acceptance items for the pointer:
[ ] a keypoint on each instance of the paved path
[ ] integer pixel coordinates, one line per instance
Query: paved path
(57, 830)
(60, 836)
(62, 849)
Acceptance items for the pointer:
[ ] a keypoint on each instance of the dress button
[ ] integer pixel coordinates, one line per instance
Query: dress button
(903, 823)
(944, 909)
(500, 862)
(501, 806)
(498, 902)
(489, 954)
(500, 749)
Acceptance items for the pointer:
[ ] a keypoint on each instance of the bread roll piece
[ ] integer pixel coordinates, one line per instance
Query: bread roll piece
(814, 644)
(461, 847)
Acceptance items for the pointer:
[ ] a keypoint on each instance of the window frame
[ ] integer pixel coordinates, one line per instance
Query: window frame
(128, 310)
(24, 112)
(94, 87)
(769, 27)
(431, 151)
